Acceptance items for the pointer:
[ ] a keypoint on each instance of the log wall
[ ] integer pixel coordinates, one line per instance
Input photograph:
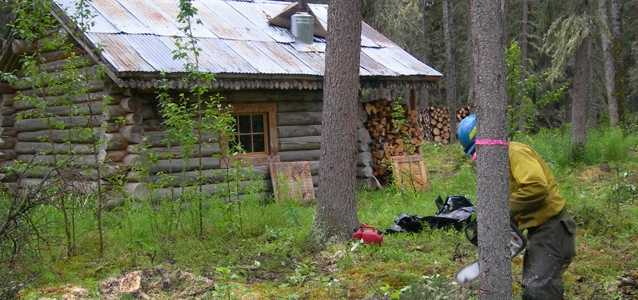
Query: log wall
(67, 127)
(298, 128)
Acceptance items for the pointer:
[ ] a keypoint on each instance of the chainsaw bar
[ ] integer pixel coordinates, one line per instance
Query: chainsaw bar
(471, 272)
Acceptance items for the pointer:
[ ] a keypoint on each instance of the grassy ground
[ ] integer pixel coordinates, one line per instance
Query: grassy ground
(258, 251)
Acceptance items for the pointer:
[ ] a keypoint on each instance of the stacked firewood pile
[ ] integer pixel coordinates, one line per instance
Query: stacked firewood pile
(435, 122)
(394, 132)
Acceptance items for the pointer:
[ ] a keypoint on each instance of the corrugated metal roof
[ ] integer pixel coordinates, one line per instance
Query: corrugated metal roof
(235, 39)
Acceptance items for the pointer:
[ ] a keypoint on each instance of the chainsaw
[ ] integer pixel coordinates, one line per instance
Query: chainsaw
(470, 272)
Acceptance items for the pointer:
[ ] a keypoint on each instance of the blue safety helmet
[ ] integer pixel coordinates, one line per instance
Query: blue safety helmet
(466, 133)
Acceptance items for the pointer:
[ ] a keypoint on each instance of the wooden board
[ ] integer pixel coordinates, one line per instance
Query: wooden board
(409, 172)
(292, 181)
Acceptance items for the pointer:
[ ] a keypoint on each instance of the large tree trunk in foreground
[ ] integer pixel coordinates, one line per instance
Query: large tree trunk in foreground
(336, 214)
(493, 164)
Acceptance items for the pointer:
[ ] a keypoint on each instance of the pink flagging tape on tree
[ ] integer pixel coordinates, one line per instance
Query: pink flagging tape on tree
(490, 142)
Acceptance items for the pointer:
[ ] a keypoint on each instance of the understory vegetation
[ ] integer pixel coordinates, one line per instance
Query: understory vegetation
(256, 249)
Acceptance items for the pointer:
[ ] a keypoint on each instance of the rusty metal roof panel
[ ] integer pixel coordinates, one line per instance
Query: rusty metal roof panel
(282, 54)
(251, 52)
(119, 53)
(219, 57)
(154, 19)
(101, 23)
(228, 23)
(395, 59)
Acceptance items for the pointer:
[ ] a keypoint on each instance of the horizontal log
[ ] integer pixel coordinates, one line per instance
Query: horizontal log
(8, 154)
(299, 155)
(75, 160)
(57, 136)
(7, 142)
(65, 99)
(7, 99)
(298, 118)
(112, 112)
(59, 65)
(94, 85)
(74, 109)
(46, 148)
(152, 125)
(63, 79)
(7, 110)
(298, 130)
(244, 187)
(68, 122)
(7, 120)
(170, 166)
(273, 95)
(8, 131)
(297, 106)
(209, 150)
(300, 143)
(184, 178)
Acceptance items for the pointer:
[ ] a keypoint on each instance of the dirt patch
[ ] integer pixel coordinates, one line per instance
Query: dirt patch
(67, 292)
(148, 283)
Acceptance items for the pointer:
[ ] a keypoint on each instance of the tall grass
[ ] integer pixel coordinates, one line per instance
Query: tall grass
(605, 145)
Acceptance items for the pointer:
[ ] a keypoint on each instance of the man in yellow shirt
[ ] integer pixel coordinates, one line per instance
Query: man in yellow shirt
(535, 205)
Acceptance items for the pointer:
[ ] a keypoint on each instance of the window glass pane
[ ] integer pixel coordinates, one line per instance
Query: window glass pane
(258, 123)
(259, 143)
(246, 144)
(244, 124)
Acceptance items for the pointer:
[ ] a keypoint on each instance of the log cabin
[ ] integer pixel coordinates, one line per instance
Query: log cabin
(266, 70)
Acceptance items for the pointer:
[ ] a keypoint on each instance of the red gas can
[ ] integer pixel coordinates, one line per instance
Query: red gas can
(368, 234)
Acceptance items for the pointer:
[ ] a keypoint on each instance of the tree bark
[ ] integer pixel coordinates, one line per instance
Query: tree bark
(616, 37)
(336, 214)
(579, 95)
(610, 67)
(450, 76)
(493, 164)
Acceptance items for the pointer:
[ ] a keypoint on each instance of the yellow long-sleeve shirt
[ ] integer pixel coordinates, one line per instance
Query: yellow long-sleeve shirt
(534, 196)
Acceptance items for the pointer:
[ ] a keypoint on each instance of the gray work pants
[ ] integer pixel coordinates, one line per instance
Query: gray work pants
(550, 250)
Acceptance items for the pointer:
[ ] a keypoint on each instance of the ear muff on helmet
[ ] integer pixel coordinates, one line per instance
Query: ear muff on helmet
(466, 133)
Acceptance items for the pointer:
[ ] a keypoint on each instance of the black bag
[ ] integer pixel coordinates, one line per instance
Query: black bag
(456, 211)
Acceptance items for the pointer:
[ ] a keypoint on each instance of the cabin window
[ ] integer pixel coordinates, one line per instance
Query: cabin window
(250, 133)
(255, 131)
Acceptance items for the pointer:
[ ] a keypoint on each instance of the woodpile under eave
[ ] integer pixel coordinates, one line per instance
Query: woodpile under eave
(393, 134)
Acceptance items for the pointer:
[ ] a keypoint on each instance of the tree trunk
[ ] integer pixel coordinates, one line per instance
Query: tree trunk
(336, 215)
(610, 67)
(450, 74)
(579, 95)
(592, 103)
(493, 164)
(524, 53)
(616, 37)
